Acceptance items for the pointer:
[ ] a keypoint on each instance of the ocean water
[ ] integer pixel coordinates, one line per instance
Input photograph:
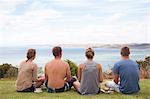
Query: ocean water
(105, 56)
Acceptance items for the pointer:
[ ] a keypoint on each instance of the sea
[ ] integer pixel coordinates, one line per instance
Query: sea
(105, 56)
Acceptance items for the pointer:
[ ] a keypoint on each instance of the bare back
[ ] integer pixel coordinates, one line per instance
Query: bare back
(55, 72)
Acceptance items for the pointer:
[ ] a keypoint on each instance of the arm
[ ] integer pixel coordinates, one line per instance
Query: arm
(46, 77)
(80, 71)
(34, 72)
(116, 78)
(116, 73)
(68, 74)
(100, 73)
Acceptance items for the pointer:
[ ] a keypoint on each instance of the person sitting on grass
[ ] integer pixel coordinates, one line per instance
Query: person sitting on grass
(90, 75)
(57, 73)
(27, 80)
(128, 72)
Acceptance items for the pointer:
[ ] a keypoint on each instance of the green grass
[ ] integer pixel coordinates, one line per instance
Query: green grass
(7, 91)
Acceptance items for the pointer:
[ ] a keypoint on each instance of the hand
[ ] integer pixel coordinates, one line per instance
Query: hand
(42, 78)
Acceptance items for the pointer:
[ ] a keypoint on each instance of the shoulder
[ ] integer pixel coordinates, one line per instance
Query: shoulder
(133, 61)
(34, 65)
(118, 63)
(49, 63)
(21, 63)
(64, 63)
(99, 66)
(81, 65)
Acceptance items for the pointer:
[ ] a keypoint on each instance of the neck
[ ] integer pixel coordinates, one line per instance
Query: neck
(30, 60)
(125, 57)
(90, 59)
(57, 57)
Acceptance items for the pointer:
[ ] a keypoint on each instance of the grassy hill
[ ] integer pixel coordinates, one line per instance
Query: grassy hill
(7, 91)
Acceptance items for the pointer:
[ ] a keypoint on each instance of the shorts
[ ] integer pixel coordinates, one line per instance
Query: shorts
(67, 86)
(30, 89)
(78, 90)
(112, 86)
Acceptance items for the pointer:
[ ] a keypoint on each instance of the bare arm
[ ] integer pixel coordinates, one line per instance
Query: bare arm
(116, 73)
(116, 78)
(80, 71)
(68, 74)
(46, 78)
(100, 73)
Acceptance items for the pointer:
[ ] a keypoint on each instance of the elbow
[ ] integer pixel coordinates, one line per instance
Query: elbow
(101, 80)
(116, 81)
(79, 79)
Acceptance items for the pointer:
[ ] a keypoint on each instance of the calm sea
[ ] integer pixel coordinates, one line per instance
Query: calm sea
(105, 56)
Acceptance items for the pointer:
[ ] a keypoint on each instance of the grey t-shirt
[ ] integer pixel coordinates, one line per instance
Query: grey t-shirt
(89, 79)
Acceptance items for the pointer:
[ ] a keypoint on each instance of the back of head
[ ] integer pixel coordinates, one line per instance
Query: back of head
(89, 53)
(57, 51)
(125, 51)
(31, 53)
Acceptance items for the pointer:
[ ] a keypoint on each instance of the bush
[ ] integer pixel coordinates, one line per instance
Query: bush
(40, 71)
(12, 72)
(73, 67)
(145, 67)
(7, 70)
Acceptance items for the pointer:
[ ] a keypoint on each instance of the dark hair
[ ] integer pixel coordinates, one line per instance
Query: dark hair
(125, 51)
(57, 51)
(89, 53)
(31, 53)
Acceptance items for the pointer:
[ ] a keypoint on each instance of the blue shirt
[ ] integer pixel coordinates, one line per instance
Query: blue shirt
(128, 71)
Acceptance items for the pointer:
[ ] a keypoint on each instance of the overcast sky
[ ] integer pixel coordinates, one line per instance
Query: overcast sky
(27, 22)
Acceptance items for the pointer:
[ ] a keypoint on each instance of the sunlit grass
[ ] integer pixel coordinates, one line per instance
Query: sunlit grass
(7, 91)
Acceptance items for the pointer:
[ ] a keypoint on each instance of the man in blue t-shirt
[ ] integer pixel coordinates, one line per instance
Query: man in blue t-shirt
(128, 72)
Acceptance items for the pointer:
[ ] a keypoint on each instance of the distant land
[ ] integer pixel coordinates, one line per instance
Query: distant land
(115, 46)
(136, 46)
(131, 45)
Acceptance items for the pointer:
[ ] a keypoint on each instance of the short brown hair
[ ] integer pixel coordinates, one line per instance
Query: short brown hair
(31, 53)
(57, 51)
(89, 53)
(125, 51)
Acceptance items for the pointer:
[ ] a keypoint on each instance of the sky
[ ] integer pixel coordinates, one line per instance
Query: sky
(29, 22)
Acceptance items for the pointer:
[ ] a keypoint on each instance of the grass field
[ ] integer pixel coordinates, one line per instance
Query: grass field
(7, 91)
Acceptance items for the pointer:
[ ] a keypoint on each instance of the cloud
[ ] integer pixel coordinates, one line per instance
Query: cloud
(44, 14)
(8, 6)
(68, 1)
(73, 21)
(117, 16)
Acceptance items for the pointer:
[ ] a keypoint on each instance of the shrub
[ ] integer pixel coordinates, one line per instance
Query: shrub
(7, 70)
(11, 72)
(145, 67)
(40, 71)
(73, 67)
